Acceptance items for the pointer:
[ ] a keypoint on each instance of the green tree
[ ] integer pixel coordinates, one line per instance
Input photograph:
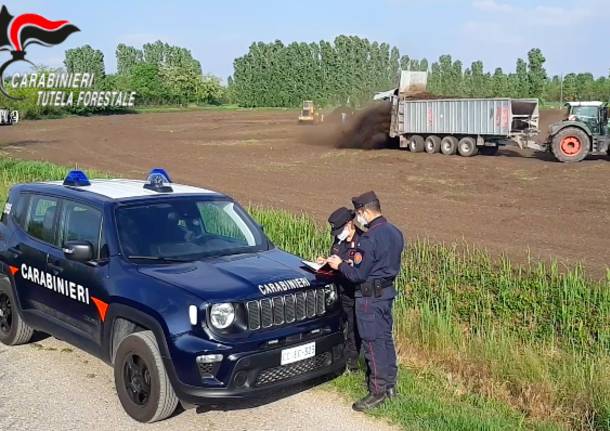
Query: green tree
(499, 84)
(127, 57)
(536, 74)
(570, 90)
(85, 59)
(423, 65)
(145, 80)
(520, 82)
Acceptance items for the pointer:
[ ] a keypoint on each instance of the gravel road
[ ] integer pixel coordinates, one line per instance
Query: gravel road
(48, 385)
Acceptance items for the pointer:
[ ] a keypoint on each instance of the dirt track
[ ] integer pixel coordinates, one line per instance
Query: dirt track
(48, 385)
(512, 202)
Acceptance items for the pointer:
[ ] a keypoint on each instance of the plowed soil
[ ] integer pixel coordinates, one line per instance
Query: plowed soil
(516, 202)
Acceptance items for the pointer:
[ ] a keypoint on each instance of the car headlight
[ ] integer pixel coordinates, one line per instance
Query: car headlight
(331, 294)
(222, 315)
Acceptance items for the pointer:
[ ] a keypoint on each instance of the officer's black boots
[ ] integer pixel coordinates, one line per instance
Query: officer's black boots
(369, 402)
(391, 392)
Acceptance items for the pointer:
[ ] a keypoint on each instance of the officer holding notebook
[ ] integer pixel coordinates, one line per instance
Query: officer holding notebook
(374, 267)
(345, 237)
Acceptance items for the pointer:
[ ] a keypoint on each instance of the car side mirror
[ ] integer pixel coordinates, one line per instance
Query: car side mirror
(80, 251)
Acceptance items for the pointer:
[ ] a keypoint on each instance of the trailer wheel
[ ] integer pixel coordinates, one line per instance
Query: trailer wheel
(467, 147)
(449, 145)
(433, 144)
(416, 144)
(570, 145)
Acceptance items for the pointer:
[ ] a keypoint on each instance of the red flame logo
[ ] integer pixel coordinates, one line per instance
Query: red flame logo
(18, 32)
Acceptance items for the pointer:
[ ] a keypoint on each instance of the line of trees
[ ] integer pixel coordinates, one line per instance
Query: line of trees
(159, 73)
(351, 69)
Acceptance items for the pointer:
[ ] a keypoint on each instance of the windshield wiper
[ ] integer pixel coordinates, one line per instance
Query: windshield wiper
(160, 259)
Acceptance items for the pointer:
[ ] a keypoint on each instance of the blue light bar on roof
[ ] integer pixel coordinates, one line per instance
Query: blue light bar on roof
(76, 178)
(158, 181)
(160, 171)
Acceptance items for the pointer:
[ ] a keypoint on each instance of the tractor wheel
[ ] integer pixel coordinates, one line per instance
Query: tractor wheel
(449, 145)
(416, 144)
(433, 144)
(467, 147)
(570, 145)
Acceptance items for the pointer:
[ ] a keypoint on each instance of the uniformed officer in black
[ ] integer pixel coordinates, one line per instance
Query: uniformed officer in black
(345, 237)
(376, 264)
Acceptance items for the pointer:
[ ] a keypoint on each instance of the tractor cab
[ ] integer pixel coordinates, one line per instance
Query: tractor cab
(593, 114)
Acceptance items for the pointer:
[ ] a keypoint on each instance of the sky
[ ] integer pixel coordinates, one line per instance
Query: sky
(573, 35)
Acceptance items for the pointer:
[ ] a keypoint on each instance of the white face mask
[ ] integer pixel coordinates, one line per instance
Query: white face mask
(361, 220)
(343, 235)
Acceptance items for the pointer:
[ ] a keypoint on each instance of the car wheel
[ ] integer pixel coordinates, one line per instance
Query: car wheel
(13, 330)
(449, 145)
(141, 380)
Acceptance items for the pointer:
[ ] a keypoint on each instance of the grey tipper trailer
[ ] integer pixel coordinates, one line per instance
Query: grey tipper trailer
(464, 126)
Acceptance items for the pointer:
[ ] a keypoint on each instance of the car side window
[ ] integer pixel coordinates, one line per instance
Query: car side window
(80, 222)
(16, 209)
(19, 211)
(40, 222)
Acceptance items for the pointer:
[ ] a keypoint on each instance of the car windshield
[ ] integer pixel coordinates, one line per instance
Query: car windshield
(187, 229)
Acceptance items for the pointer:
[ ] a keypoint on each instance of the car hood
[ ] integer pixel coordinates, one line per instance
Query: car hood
(239, 277)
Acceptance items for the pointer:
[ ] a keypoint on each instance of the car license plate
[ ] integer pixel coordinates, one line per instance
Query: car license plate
(298, 353)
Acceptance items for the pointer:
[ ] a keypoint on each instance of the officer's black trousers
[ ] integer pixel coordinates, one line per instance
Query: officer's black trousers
(352, 341)
(374, 319)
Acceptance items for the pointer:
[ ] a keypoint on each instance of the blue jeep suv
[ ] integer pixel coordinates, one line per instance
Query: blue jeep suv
(174, 286)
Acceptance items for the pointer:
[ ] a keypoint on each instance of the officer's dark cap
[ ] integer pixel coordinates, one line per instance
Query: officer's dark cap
(339, 218)
(363, 199)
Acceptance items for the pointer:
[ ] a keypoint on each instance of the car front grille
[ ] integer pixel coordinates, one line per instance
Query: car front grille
(283, 372)
(279, 310)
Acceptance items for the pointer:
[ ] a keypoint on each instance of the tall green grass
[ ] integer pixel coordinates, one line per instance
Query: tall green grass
(534, 337)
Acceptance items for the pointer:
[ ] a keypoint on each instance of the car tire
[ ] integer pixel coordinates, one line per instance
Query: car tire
(449, 145)
(433, 144)
(570, 145)
(141, 381)
(416, 144)
(467, 147)
(13, 330)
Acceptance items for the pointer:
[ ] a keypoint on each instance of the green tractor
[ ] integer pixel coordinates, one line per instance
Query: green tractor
(584, 133)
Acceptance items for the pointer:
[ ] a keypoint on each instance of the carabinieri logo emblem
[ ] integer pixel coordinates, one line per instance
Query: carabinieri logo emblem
(17, 32)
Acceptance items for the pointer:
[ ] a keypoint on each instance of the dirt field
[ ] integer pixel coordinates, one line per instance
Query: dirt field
(511, 203)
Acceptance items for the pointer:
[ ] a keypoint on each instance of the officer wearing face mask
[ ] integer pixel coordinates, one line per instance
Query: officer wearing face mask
(374, 266)
(345, 237)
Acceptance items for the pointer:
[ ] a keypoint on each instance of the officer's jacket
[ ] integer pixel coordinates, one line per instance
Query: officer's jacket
(377, 256)
(346, 250)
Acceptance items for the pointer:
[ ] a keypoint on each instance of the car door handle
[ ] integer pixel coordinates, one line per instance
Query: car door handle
(55, 268)
(54, 265)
